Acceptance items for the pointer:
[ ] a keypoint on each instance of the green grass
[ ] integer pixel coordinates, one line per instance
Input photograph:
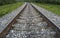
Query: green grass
(51, 7)
(5, 9)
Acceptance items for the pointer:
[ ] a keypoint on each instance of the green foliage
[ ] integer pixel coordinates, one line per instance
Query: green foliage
(2, 2)
(43, 1)
(51, 7)
(50, 1)
(8, 8)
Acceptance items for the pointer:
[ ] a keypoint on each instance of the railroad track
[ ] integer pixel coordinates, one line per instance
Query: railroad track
(31, 24)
